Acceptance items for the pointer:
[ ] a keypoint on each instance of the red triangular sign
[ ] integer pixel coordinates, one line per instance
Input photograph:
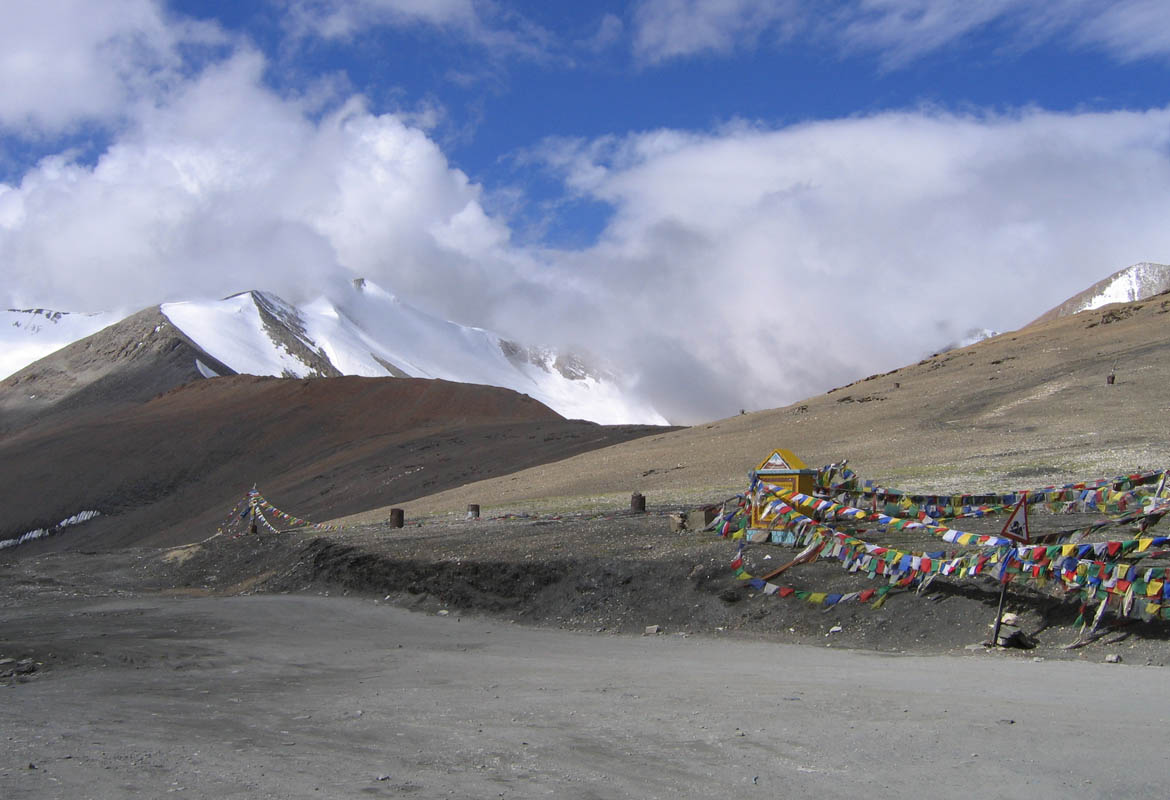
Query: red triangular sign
(1016, 527)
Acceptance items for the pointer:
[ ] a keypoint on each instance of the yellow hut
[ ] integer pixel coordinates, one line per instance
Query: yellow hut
(785, 471)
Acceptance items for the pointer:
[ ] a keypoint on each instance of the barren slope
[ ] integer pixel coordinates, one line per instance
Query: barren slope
(168, 471)
(1024, 408)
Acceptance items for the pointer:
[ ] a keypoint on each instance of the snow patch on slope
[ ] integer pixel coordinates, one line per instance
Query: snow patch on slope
(30, 334)
(1130, 284)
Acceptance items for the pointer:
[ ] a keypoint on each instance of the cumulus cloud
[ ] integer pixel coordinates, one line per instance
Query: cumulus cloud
(230, 187)
(788, 261)
(897, 31)
(63, 62)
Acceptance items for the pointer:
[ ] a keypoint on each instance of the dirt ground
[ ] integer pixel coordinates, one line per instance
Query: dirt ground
(508, 658)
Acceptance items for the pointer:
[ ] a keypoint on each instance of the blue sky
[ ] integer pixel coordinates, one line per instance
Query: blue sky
(888, 173)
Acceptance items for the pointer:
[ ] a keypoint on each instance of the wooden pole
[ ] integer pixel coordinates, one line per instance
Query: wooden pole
(999, 615)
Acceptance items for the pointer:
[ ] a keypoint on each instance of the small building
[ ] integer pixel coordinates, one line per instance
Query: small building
(784, 471)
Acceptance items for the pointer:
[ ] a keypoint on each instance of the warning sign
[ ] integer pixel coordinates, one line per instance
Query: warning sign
(1016, 527)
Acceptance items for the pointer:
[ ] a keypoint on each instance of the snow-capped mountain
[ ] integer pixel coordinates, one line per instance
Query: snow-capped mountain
(1135, 282)
(29, 334)
(361, 329)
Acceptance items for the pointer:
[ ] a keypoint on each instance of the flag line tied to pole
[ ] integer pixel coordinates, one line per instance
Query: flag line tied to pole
(1105, 571)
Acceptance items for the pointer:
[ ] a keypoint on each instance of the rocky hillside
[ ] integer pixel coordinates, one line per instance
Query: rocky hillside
(1025, 408)
(122, 365)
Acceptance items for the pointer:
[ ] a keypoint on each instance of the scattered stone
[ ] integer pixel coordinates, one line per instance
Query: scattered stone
(1113, 658)
(678, 522)
(10, 667)
(443, 612)
(383, 777)
(835, 629)
(652, 630)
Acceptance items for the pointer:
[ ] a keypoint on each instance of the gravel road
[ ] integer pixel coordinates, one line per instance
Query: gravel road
(285, 696)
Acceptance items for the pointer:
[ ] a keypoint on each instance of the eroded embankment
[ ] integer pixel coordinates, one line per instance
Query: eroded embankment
(684, 589)
(625, 575)
(589, 592)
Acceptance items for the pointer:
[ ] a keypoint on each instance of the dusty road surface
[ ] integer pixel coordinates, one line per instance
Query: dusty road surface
(291, 696)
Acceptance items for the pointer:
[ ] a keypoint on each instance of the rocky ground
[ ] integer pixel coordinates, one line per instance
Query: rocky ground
(615, 573)
(579, 656)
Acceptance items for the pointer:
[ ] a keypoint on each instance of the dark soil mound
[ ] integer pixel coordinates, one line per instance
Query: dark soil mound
(167, 471)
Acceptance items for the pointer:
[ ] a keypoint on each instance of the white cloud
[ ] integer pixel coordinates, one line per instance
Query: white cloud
(665, 29)
(783, 262)
(1129, 29)
(898, 31)
(229, 187)
(68, 61)
(495, 28)
(902, 30)
(343, 18)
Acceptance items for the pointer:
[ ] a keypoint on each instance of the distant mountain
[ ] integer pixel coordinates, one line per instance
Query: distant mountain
(354, 329)
(1136, 282)
(124, 364)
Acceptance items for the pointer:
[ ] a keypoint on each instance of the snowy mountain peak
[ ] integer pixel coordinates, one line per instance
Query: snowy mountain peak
(362, 329)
